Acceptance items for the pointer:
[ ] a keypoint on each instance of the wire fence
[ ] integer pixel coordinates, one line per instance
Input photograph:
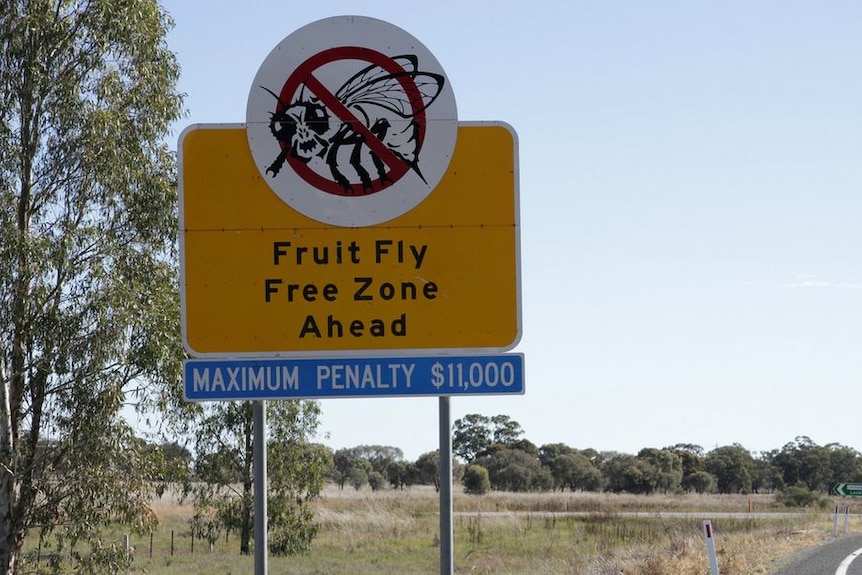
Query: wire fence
(173, 543)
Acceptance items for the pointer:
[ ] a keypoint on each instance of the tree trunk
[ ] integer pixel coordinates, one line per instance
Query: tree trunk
(11, 531)
(246, 526)
(11, 538)
(246, 523)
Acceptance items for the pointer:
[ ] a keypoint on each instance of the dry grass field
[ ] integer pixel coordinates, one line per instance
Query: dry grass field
(397, 532)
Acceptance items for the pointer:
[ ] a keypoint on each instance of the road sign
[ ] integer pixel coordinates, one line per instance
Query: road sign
(847, 489)
(312, 230)
(265, 379)
(259, 278)
(351, 121)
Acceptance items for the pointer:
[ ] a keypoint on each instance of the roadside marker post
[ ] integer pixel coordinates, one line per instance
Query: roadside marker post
(709, 535)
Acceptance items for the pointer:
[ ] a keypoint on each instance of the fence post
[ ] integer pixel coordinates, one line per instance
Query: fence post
(172, 542)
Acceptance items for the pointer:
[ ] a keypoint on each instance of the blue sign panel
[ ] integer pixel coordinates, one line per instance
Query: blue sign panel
(244, 379)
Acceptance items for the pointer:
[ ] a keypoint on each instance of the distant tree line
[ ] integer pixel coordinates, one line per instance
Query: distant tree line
(492, 453)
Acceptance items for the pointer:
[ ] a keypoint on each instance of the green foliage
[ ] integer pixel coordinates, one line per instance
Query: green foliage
(663, 467)
(627, 473)
(476, 480)
(804, 462)
(354, 465)
(428, 468)
(402, 473)
(358, 477)
(471, 436)
(515, 464)
(699, 482)
(505, 430)
(342, 465)
(101, 558)
(222, 489)
(801, 496)
(550, 451)
(845, 463)
(376, 480)
(475, 435)
(692, 461)
(767, 477)
(732, 466)
(89, 313)
(206, 524)
(575, 471)
(515, 470)
(292, 528)
(177, 461)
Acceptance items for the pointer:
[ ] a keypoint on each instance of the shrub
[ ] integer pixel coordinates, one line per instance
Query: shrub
(376, 480)
(476, 480)
(801, 496)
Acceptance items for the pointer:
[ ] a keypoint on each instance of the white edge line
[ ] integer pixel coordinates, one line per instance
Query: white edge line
(842, 568)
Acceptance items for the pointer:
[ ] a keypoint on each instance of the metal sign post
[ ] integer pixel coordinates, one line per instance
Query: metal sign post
(260, 542)
(447, 545)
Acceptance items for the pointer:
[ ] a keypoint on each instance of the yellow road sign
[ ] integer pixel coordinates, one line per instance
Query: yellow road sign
(260, 279)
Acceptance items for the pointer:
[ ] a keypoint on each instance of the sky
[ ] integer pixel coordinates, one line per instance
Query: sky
(690, 178)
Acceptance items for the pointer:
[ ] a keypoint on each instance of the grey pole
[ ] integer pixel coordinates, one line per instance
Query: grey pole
(260, 544)
(447, 548)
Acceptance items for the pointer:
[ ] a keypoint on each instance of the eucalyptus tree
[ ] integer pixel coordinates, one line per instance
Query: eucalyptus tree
(223, 487)
(476, 435)
(575, 471)
(88, 298)
(664, 468)
(733, 467)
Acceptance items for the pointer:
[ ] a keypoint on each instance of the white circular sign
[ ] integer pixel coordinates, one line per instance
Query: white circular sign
(351, 121)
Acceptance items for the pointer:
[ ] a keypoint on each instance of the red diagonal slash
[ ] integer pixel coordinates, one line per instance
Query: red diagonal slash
(357, 125)
(304, 76)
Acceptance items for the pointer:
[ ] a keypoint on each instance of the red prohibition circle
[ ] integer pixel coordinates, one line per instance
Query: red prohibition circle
(304, 76)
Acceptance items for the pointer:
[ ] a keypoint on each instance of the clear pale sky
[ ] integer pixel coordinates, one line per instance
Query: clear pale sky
(691, 200)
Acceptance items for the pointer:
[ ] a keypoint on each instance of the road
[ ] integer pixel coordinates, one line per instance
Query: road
(841, 557)
(694, 516)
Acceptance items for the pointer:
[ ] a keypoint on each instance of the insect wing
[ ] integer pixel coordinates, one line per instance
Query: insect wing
(388, 92)
(369, 74)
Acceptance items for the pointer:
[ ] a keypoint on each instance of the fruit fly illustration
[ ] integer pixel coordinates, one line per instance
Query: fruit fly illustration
(377, 123)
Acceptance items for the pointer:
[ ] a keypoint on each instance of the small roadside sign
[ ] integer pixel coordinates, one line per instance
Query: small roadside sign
(847, 489)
